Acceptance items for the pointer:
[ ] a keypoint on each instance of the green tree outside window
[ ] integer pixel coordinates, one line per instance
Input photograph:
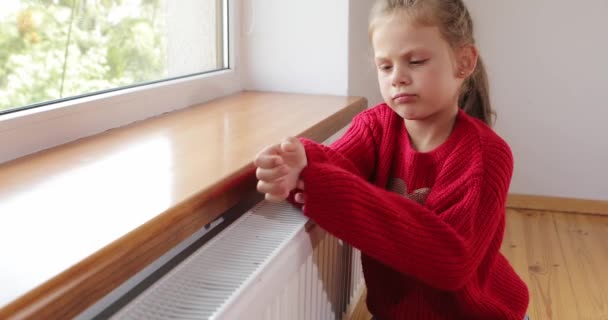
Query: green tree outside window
(52, 49)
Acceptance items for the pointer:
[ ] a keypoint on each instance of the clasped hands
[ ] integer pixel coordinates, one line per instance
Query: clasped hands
(278, 170)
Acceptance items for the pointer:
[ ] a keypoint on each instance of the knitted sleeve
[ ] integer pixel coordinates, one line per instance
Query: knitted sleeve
(355, 150)
(402, 234)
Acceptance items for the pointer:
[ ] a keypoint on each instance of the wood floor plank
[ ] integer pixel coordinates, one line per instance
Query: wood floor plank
(551, 291)
(360, 312)
(514, 246)
(586, 261)
(600, 231)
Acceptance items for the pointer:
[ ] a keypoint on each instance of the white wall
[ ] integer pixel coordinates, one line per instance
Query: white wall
(361, 71)
(548, 67)
(311, 46)
(295, 46)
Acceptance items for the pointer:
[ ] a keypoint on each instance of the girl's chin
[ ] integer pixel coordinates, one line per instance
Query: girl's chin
(409, 112)
(415, 112)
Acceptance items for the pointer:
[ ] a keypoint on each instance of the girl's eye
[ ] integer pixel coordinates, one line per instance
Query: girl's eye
(385, 67)
(418, 62)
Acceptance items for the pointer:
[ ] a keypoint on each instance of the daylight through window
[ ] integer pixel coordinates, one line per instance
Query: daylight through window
(52, 50)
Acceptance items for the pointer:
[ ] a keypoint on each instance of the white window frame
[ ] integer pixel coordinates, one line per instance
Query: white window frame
(29, 131)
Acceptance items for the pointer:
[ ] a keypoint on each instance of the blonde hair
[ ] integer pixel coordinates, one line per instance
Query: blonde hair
(456, 26)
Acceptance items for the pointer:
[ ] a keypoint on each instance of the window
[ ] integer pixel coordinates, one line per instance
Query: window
(197, 37)
(54, 50)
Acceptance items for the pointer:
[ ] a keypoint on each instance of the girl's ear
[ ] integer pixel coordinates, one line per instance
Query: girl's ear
(467, 61)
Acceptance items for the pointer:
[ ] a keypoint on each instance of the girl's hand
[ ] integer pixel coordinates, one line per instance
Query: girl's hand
(300, 197)
(279, 167)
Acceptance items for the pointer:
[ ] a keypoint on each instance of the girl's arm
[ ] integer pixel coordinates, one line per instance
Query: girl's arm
(442, 248)
(355, 151)
(279, 165)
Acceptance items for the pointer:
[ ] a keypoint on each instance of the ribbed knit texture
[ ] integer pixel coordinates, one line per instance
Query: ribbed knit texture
(437, 260)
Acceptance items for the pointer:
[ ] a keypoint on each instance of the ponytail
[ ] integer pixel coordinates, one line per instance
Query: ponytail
(475, 96)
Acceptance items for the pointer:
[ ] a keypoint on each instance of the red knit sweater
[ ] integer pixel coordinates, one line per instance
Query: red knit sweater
(428, 254)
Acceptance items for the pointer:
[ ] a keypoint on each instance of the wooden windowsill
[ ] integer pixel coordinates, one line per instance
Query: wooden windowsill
(78, 220)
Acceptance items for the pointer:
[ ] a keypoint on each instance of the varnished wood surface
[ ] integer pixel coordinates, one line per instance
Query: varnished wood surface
(78, 220)
(562, 257)
(360, 311)
(557, 204)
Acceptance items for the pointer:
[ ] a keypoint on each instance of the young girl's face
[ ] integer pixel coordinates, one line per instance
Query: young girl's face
(417, 71)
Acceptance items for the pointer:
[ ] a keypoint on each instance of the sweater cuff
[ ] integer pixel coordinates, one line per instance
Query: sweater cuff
(314, 176)
(314, 152)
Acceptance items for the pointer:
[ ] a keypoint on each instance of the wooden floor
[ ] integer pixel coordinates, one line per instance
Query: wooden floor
(563, 257)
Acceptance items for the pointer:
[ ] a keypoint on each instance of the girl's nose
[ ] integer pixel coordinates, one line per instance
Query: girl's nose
(401, 77)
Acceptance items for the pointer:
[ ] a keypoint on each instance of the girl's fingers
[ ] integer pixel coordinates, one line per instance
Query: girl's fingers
(269, 157)
(300, 198)
(271, 174)
(293, 153)
(274, 198)
(277, 169)
(272, 188)
(268, 161)
(289, 145)
(270, 150)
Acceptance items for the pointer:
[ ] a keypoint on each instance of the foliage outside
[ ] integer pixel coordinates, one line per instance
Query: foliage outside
(51, 49)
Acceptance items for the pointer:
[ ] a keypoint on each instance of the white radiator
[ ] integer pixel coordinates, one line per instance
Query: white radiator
(271, 263)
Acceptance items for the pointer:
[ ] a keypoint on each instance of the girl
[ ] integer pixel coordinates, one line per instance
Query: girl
(418, 183)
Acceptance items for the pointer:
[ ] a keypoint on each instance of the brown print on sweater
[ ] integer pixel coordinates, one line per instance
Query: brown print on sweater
(398, 186)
